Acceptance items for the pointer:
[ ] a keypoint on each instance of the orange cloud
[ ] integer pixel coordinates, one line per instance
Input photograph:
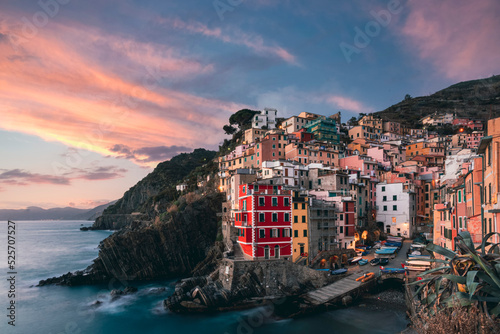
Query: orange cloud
(459, 37)
(63, 91)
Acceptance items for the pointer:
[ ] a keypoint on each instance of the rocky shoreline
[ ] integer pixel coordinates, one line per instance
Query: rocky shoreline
(157, 250)
(244, 284)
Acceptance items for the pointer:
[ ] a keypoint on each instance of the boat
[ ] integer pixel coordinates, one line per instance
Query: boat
(362, 262)
(385, 251)
(392, 270)
(394, 239)
(338, 271)
(355, 260)
(375, 262)
(393, 244)
(418, 257)
(366, 277)
(418, 264)
(384, 261)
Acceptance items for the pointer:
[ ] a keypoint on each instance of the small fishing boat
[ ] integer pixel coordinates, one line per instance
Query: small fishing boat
(366, 277)
(392, 270)
(362, 262)
(375, 262)
(355, 260)
(338, 271)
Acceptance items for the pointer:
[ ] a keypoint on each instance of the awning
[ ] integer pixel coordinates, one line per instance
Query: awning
(483, 144)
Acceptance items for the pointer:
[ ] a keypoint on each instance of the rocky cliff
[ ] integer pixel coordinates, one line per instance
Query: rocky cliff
(168, 247)
(153, 194)
(243, 284)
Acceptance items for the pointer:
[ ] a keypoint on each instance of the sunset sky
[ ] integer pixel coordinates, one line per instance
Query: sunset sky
(94, 94)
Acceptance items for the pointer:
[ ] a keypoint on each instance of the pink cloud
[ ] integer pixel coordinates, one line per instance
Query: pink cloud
(346, 103)
(64, 91)
(237, 37)
(459, 37)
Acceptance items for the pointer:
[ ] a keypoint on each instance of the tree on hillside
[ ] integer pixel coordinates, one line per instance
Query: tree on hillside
(242, 117)
(407, 97)
(229, 130)
(353, 121)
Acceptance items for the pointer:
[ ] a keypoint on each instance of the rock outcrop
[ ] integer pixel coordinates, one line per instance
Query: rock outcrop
(242, 284)
(148, 250)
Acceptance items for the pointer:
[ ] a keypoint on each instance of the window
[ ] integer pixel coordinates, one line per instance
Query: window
(383, 188)
(319, 182)
(275, 201)
(243, 189)
(385, 207)
(274, 233)
(318, 213)
(295, 219)
(275, 217)
(262, 233)
(394, 197)
(341, 216)
(454, 223)
(341, 229)
(394, 208)
(262, 201)
(287, 217)
(286, 232)
(460, 222)
(303, 219)
(384, 198)
(262, 217)
(304, 233)
(296, 233)
(295, 206)
(459, 196)
(244, 206)
(287, 201)
(256, 187)
(303, 206)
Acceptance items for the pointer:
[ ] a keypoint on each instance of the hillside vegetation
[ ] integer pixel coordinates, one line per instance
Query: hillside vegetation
(477, 99)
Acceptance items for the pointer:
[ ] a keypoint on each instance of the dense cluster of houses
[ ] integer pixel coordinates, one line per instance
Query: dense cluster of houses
(309, 183)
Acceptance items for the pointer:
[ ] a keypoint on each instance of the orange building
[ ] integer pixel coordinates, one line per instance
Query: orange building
(424, 148)
(489, 148)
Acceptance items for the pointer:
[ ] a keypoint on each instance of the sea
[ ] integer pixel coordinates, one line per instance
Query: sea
(46, 249)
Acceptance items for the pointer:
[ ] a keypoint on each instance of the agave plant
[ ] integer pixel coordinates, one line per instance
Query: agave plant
(467, 277)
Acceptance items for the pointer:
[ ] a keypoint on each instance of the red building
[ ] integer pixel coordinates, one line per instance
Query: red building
(264, 221)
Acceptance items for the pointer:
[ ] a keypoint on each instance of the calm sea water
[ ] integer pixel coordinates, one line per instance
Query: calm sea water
(51, 248)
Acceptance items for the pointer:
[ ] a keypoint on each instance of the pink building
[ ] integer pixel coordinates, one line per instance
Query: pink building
(366, 165)
(473, 139)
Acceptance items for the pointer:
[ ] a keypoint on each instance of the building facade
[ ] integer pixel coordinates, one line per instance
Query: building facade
(263, 222)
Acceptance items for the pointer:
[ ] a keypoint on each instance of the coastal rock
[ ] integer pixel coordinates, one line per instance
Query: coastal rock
(159, 250)
(242, 284)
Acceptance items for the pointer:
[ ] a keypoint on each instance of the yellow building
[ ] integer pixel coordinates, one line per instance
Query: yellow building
(300, 223)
